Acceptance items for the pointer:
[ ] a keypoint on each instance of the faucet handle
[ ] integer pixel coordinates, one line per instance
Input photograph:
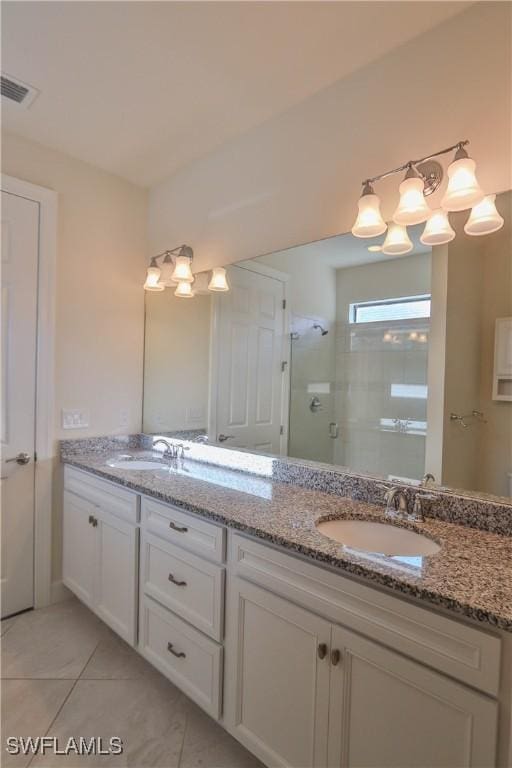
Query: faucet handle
(417, 509)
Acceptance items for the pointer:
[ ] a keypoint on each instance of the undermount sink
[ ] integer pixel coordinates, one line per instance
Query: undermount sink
(382, 538)
(135, 464)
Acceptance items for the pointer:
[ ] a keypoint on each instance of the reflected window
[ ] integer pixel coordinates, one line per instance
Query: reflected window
(403, 308)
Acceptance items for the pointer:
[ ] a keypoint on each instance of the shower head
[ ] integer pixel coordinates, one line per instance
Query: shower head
(320, 328)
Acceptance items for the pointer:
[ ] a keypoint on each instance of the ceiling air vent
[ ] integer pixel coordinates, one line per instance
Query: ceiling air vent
(18, 91)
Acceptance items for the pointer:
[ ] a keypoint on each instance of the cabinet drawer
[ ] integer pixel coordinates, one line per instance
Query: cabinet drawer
(110, 497)
(184, 655)
(461, 651)
(187, 584)
(186, 530)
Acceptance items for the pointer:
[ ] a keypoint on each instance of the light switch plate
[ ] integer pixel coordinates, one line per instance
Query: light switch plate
(75, 418)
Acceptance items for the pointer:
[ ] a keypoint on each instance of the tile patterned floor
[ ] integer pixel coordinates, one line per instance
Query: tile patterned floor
(65, 674)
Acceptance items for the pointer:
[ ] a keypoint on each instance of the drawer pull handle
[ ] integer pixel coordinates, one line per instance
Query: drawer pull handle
(335, 657)
(178, 528)
(178, 654)
(322, 650)
(175, 581)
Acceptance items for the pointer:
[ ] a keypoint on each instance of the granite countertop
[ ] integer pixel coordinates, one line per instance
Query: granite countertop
(471, 575)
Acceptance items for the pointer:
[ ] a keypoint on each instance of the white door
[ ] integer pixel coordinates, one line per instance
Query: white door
(116, 588)
(79, 547)
(279, 678)
(248, 351)
(391, 712)
(20, 238)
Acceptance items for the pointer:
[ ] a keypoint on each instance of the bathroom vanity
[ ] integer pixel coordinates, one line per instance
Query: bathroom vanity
(309, 653)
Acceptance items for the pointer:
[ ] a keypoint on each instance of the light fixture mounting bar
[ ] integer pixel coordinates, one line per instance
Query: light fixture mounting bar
(414, 163)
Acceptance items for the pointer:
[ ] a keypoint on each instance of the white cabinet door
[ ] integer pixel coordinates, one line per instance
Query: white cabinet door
(391, 712)
(79, 547)
(116, 585)
(278, 685)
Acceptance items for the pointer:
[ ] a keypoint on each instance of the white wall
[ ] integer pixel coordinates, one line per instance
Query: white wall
(101, 257)
(297, 177)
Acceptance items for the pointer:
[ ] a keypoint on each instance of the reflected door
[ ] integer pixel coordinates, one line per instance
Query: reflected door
(247, 354)
(20, 236)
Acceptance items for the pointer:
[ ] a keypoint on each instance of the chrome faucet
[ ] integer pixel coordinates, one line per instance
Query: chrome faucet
(427, 480)
(396, 502)
(417, 510)
(170, 449)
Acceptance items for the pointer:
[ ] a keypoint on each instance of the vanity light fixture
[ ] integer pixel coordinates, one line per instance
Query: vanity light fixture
(218, 280)
(153, 277)
(463, 189)
(484, 218)
(175, 271)
(397, 242)
(412, 208)
(422, 178)
(369, 222)
(184, 290)
(438, 229)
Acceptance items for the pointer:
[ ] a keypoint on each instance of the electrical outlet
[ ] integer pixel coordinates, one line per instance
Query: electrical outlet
(75, 418)
(123, 417)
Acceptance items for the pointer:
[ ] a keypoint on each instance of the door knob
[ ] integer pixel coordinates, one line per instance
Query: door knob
(21, 458)
(223, 438)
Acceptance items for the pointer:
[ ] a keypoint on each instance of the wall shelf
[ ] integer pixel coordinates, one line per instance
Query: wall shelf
(502, 376)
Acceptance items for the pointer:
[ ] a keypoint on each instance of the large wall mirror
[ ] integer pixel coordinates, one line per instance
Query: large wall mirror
(336, 353)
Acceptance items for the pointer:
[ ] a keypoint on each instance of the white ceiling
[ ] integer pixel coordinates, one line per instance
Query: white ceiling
(140, 89)
(346, 250)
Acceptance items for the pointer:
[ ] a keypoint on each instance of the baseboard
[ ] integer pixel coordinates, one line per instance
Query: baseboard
(59, 592)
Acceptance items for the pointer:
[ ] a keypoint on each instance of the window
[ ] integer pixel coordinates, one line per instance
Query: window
(403, 308)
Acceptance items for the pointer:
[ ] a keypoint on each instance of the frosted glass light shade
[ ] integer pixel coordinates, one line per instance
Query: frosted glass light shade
(184, 290)
(369, 222)
(412, 208)
(152, 280)
(218, 281)
(182, 271)
(397, 240)
(484, 218)
(463, 189)
(438, 229)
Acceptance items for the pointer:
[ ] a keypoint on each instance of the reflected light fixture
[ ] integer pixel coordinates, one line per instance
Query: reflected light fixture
(369, 222)
(463, 189)
(484, 218)
(176, 270)
(375, 248)
(397, 242)
(184, 290)
(422, 178)
(153, 277)
(438, 229)
(412, 208)
(218, 280)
